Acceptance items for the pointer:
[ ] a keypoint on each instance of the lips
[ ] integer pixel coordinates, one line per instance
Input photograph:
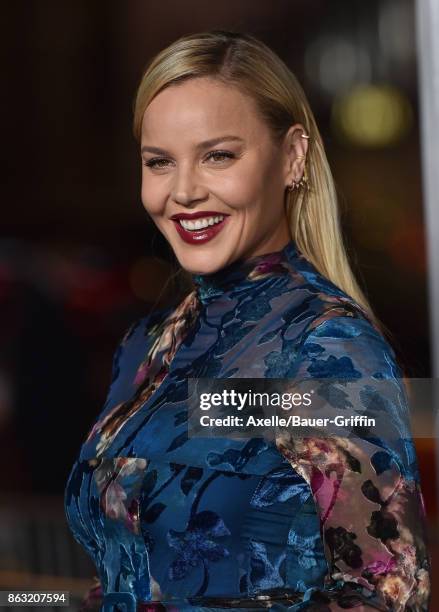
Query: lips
(199, 214)
(201, 235)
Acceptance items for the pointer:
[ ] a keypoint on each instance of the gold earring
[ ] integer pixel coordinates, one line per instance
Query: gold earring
(291, 186)
(303, 182)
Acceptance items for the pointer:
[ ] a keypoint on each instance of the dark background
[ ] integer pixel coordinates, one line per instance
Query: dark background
(80, 260)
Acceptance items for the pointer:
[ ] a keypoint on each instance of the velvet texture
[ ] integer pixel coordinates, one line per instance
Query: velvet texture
(198, 523)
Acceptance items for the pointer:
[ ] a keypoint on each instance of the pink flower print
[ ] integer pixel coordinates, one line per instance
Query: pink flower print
(142, 373)
(269, 265)
(381, 567)
(173, 330)
(112, 501)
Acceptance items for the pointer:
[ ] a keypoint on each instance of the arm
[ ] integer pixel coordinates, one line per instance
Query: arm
(366, 490)
(92, 598)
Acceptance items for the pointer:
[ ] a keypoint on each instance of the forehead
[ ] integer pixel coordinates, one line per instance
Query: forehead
(200, 106)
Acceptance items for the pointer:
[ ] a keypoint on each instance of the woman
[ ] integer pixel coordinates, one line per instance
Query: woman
(235, 177)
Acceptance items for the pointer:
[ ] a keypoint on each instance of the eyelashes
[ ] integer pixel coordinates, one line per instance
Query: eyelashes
(226, 154)
(157, 162)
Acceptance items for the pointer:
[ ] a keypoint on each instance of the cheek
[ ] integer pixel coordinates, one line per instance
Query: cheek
(241, 189)
(152, 198)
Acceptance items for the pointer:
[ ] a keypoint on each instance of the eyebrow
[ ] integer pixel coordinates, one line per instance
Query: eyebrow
(207, 143)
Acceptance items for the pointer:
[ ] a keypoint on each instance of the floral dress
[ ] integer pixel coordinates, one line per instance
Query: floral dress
(174, 522)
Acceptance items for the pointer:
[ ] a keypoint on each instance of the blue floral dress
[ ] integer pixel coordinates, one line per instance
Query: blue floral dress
(218, 523)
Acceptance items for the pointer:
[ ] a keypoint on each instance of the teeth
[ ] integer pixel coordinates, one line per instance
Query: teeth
(200, 223)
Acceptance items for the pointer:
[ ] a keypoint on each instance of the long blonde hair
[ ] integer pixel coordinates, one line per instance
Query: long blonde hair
(243, 61)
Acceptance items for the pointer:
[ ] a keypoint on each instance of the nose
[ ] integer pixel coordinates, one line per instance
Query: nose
(187, 188)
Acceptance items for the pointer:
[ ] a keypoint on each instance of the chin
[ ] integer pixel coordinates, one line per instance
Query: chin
(193, 268)
(201, 262)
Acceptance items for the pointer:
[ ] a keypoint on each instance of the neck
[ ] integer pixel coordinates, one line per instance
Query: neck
(271, 244)
(244, 272)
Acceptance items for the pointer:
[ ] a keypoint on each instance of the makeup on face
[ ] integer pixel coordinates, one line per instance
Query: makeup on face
(199, 227)
(212, 177)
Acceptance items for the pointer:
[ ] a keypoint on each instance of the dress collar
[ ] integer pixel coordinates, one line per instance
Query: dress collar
(242, 273)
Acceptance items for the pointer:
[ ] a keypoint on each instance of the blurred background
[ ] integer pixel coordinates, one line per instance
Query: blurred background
(80, 260)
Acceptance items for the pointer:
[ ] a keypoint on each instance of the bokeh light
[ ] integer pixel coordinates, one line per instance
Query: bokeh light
(372, 116)
(334, 64)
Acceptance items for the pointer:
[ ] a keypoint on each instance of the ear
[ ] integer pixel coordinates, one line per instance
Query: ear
(295, 150)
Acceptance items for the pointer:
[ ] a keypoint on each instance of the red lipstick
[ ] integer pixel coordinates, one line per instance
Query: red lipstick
(202, 235)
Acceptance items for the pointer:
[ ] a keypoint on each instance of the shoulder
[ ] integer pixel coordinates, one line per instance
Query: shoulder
(355, 370)
(320, 298)
(342, 341)
(338, 327)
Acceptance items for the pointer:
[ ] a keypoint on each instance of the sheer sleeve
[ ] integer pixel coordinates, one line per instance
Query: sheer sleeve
(366, 489)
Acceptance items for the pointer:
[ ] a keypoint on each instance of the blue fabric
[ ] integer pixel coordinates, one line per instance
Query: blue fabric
(219, 517)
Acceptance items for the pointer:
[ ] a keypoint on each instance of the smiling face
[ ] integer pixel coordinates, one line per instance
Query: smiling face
(213, 179)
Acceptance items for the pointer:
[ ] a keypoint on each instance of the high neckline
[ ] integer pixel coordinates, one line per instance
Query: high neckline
(243, 272)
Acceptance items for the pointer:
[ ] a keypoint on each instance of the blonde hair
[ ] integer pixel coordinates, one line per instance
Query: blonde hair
(241, 60)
